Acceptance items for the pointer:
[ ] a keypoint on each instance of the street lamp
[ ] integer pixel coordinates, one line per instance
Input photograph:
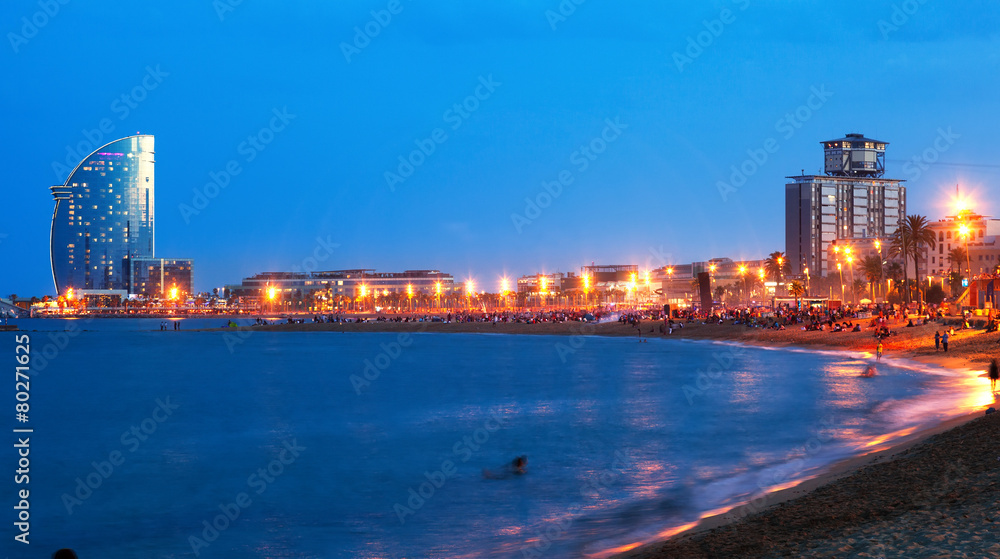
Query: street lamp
(965, 231)
(504, 288)
(841, 271)
(364, 291)
(586, 290)
(850, 262)
(878, 247)
(437, 292)
(743, 274)
(763, 289)
(409, 295)
(470, 287)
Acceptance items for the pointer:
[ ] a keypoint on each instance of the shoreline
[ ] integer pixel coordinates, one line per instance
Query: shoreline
(831, 473)
(764, 532)
(912, 498)
(967, 346)
(852, 505)
(864, 505)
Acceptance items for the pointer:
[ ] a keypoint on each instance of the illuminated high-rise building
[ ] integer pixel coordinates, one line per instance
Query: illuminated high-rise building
(851, 202)
(104, 217)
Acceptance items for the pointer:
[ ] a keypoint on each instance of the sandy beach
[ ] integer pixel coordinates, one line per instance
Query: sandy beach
(967, 348)
(934, 494)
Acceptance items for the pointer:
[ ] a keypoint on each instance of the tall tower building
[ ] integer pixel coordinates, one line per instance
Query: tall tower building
(102, 235)
(851, 201)
(103, 216)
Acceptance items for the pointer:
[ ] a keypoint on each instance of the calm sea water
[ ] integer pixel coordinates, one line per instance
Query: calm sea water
(145, 439)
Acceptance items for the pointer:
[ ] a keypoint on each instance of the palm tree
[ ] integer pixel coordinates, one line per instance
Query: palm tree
(913, 234)
(859, 287)
(720, 292)
(871, 267)
(776, 265)
(900, 245)
(956, 256)
(922, 234)
(894, 271)
(796, 289)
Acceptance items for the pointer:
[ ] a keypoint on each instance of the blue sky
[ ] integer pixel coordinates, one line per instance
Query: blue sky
(645, 189)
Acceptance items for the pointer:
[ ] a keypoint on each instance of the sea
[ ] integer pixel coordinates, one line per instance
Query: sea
(244, 443)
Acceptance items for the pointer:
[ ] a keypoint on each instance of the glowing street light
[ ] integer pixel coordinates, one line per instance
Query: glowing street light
(409, 295)
(850, 262)
(965, 231)
(840, 270)
(470, 290)
(173, 293)
(504, 288)
(743, 274)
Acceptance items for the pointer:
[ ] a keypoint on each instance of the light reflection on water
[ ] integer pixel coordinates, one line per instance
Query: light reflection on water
(618, 450)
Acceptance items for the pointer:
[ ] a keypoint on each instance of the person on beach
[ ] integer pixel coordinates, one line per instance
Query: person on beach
(937, 340)
(878, 351)
(944, 342)
(994, 374)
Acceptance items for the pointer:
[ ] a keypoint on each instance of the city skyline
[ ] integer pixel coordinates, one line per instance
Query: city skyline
(416, 146)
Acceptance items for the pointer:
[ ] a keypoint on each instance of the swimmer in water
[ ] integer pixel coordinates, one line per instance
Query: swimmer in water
(869, 372)
(517, 467)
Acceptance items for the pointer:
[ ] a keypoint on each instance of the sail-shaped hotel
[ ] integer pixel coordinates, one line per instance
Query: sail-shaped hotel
(103, 226)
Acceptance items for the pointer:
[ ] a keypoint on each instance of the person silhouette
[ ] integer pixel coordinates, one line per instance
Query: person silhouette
(65, 553)
(994, 374)
(516, 467)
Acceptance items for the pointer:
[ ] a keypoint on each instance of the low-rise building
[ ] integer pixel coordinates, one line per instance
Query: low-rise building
(321, 291)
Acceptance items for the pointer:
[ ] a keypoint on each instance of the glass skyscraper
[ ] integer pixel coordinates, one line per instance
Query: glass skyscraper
(103, 216)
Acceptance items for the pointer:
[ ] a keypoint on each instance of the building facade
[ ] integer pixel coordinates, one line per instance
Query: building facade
(159, 277)
(352, 284)
(104, 216)
(981, 239)
(851, 202)
(103, 225)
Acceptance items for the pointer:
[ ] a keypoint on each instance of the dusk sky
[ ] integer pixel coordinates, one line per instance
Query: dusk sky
(641, 121)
